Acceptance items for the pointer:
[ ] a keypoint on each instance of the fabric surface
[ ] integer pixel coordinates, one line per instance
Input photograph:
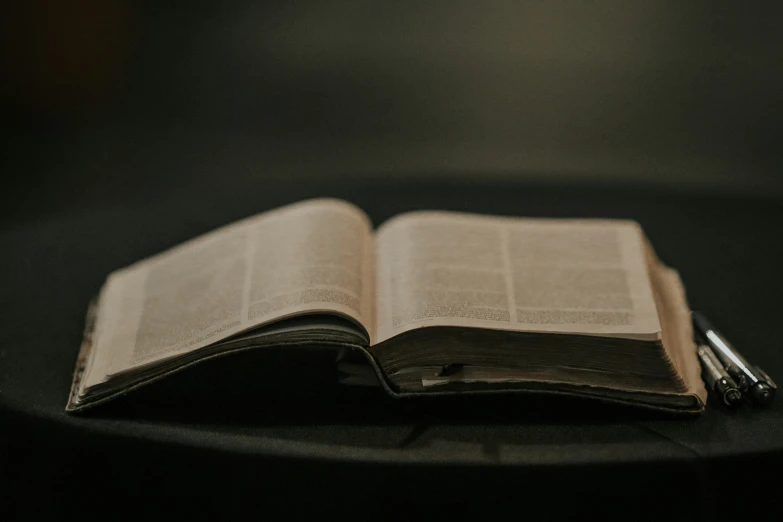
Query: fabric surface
(279, 431)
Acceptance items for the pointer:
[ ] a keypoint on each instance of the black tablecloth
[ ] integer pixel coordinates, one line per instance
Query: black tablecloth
(354, 448)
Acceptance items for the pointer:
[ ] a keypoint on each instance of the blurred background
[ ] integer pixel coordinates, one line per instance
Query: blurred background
(108, 100)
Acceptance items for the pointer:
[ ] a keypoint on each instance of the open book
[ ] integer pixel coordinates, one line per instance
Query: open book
(435, 302)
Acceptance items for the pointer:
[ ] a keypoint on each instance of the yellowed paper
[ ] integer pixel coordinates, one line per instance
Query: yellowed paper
(311, 257)
(537, 275)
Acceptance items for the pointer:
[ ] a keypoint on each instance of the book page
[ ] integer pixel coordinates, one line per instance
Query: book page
(536, 275)
(314, 256)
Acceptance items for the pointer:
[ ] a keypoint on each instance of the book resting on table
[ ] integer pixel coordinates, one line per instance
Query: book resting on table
(432, 302)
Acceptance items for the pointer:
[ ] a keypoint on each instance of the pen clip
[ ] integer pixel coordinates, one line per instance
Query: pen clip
(766, 378)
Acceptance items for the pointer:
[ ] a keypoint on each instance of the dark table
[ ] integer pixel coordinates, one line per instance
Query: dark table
(319, 445)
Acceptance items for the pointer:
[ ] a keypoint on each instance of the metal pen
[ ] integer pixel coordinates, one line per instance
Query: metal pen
(716, 378)
(760, 387)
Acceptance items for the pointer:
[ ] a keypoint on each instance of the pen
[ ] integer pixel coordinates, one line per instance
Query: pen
(717, 379)
(760, 387)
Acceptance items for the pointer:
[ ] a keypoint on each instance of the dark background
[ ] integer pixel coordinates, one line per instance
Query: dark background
(104, 97)
(132, 126)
